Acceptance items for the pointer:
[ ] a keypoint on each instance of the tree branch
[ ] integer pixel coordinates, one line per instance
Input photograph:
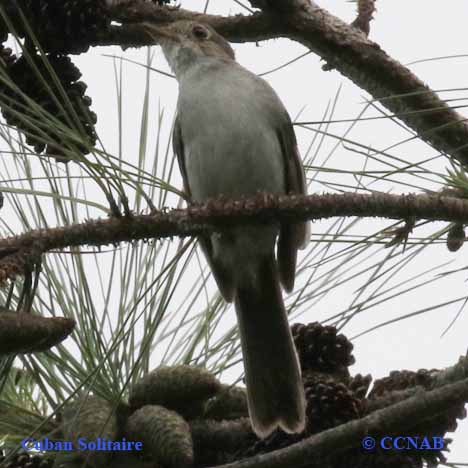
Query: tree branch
(220, 214)
(348, 50)
(344, 47)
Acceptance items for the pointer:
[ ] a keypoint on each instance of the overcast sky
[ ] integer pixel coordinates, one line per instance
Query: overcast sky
(409, 31)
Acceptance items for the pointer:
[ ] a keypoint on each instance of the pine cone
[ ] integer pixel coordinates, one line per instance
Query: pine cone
(220, 442)
(165, 436)
(401, 380)
(329, 403)
(359, 384)
(229, 403)
(455, 237)
(184, 389)
(63, 26)
(321, 349)
(91, 417)
(26, 79)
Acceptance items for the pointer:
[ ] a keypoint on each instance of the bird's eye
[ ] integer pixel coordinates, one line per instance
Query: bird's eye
(200, 32)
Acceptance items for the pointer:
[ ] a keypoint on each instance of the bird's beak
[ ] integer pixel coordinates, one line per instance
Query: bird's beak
(160, 33)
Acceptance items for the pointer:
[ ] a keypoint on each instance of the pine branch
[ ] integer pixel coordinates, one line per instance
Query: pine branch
(218, 215)
(344, 47)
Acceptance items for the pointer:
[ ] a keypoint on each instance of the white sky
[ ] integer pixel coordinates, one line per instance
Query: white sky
(408, 31)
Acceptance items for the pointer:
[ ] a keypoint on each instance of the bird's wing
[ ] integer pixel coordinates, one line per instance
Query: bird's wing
(223, 278)
(178, 146)
(293, 236)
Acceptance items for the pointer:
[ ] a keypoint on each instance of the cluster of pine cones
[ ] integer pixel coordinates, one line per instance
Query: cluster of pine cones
(44, 97)
(40, 97)
(185, 417)
(60, 26)
(335, 397)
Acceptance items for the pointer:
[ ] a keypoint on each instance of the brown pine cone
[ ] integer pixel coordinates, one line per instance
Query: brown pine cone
(185, 389)
(401, 380)
(456, 238)
(329, 403)
(39, 135)
(322, 349)
(62, 26)
(359, 384)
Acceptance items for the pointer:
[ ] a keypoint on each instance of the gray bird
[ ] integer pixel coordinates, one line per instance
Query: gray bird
(233, 137)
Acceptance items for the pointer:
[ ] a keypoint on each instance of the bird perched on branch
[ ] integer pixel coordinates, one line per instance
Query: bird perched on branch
(233, 137)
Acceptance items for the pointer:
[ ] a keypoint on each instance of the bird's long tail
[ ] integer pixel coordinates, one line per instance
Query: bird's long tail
(274, 386)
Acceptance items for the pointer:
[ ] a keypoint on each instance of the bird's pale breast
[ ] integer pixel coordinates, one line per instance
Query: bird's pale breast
(229, 133)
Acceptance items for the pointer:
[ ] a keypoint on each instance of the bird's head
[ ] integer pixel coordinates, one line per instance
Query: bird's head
(186, 42)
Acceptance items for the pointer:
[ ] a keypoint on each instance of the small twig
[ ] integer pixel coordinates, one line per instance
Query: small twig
(366, 10)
